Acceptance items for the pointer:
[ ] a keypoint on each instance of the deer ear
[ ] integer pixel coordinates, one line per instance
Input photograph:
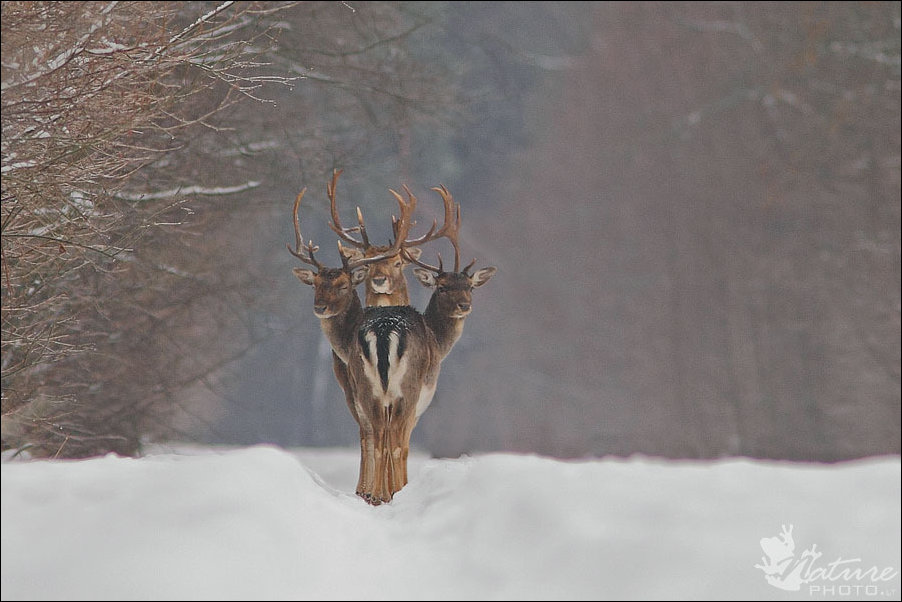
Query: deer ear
(425, 277)
(482, 276)
(414, 252)
(304, 275)
(360, 274)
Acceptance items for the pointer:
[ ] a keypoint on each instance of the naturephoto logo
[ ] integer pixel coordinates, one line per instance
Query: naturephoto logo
(784, 569)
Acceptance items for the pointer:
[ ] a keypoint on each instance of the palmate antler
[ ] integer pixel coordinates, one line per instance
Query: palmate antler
(305, 251)
(400, 226)
(450, 230)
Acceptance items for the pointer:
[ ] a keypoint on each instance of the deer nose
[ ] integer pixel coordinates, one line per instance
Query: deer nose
(319, 309)
(379, 280)
(463, 306)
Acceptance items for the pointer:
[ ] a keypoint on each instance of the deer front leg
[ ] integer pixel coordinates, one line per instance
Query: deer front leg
(340, 369)
(384, 461)
(404, 424)
(399, 419)
(406, 432)
(365, 480)
(380, 492)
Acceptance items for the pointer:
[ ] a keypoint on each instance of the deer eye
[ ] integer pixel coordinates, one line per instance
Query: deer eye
(398, 264)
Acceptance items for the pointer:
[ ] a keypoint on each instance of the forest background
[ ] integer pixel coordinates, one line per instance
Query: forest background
(694, 209)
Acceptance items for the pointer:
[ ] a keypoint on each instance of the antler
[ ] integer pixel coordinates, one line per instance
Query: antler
(345, 233)
(447, 225)
(400, 226)
(299, 240)
(450, 229)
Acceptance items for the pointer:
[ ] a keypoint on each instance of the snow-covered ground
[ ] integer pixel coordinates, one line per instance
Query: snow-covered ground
(265, 523)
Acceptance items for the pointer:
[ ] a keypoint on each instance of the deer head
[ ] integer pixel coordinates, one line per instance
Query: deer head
(334, 288)
(385, 283)
(453, 290)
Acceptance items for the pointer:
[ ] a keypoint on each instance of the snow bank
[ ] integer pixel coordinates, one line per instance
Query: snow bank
(263, 523)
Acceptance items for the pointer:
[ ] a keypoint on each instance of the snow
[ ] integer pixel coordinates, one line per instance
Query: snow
(187, 190)
(18, 165)
(268, 523)
(109, 47)
(63, 57)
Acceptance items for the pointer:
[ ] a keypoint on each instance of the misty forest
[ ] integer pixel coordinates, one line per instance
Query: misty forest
(693, 209)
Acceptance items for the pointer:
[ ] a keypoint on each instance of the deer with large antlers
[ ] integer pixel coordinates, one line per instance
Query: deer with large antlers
(401, 353)
(391, 355)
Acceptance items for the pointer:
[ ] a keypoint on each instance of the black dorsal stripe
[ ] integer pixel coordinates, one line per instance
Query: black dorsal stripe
(382, 341)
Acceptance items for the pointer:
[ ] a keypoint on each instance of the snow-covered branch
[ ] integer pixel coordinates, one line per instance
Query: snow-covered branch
(187, 191)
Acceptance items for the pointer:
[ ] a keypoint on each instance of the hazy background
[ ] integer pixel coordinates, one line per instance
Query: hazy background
(694, 209)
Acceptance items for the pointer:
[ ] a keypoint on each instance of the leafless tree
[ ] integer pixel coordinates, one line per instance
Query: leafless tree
(93, 94)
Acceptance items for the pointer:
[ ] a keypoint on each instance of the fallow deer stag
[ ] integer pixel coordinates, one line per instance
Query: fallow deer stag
(401, 355)
(392, 354)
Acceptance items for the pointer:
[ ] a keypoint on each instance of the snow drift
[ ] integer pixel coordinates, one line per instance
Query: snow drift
(264, 523)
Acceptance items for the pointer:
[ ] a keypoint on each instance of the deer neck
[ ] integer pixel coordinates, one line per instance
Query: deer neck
(341, 328)
(446, 329)
(397, 297)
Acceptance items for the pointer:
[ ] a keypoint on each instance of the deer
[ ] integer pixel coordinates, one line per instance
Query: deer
(395, 371)
(392, 354)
